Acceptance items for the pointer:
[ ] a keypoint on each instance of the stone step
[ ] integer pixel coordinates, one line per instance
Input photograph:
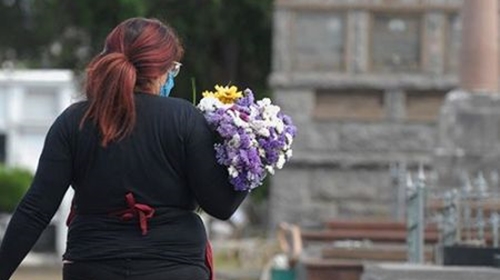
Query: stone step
(373, 253)
(388, 236)
(373, 224)
(324, 269)
(383, 235)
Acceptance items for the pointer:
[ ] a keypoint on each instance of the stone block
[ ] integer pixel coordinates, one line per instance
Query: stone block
(322, 136)
(288, 195)
(350, 184)
(299, 104)
(316, 213)
(387, 137)
(357, 208)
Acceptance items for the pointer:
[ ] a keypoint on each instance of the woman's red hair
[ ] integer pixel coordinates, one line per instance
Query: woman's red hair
(136, 53)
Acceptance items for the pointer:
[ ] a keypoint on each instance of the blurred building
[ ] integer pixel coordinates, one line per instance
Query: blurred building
(30, 100)
(364, 81)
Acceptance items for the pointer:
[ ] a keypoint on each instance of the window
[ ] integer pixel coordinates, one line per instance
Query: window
(318, 42)
(424, 105)
(454, 36)
(395, 43)
(362, 105)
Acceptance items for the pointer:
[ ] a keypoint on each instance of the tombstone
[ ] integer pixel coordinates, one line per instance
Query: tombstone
(364, 82)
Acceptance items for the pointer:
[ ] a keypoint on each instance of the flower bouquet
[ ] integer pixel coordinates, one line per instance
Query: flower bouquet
(256, 137)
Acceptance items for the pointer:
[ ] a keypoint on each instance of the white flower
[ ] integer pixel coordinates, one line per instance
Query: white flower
(281, 161)
(210, 104)
(232, 171)
(289, 138)
(235, 115)
(235, 141)
(254, 112)
(262, 152)
(272, 111)
(289, 154)
(264, 132)
(280, 126)
(264, 102)
(254, 142)
(261, 128)
(270, 169)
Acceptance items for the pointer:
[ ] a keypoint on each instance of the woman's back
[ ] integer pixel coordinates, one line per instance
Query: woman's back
(151, 164)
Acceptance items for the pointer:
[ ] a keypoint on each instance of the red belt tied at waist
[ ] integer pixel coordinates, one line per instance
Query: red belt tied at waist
(145, 212)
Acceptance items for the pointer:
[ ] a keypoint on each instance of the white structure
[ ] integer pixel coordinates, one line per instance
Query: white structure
(30, 100)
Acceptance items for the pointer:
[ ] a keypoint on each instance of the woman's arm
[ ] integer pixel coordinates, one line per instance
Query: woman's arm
(40, 203)
(208, 180)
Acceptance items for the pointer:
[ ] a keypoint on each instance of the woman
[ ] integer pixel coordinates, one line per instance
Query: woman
(139, 163)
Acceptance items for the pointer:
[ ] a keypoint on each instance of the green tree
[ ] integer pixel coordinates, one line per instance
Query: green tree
(226, 41)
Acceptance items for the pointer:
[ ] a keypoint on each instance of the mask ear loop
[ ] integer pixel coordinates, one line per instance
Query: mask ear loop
(167, 86)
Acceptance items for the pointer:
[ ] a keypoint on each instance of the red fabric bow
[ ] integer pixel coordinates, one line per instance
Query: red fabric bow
(143, 211)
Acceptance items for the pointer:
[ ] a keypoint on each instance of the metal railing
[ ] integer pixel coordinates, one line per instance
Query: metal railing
(468, 214)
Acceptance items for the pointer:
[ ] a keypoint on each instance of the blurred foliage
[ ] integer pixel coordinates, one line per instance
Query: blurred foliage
(226, 41)
(14, 182)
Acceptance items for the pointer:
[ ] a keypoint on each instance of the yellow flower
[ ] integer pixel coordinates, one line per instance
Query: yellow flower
(227, 95)
(207, 93)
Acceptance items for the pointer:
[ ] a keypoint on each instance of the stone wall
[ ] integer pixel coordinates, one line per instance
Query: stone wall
(359, 105)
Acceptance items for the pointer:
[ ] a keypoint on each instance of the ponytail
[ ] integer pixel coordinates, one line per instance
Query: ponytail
(109, 87)
(136, 53)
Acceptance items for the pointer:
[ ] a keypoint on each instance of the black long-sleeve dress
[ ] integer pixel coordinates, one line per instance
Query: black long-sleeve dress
(167, 164)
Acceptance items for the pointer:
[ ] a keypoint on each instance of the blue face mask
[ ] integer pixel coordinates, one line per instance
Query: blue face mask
(167, 86)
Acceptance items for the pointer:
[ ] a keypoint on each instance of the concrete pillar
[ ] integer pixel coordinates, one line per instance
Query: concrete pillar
(434, 49)
(358, 38)
(479, 54)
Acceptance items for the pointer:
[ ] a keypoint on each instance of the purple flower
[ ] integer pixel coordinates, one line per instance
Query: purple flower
(247, 154)
(247, 100)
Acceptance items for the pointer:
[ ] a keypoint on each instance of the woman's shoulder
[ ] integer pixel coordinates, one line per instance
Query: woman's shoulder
(175, 101)
(76, 108)
(73, 113)
(170, 104)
